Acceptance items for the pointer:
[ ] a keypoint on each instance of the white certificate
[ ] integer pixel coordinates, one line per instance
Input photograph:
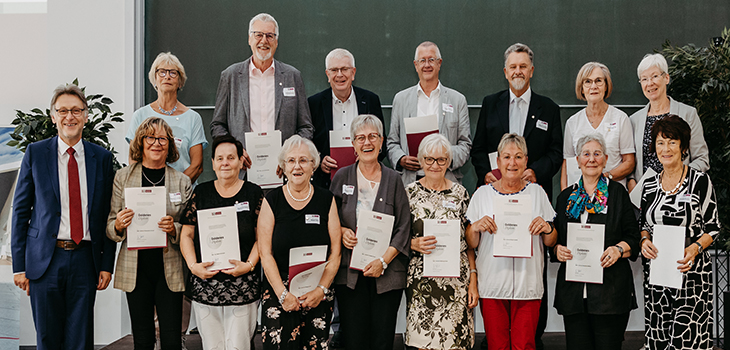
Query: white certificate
(445, 259)
(635, 194)
(585, 242)
(574, 173)
(373, 238)
(306, 266)
(417, 128)
(263, 148)
(513, 215)
(669, 242)
(218, 229)
(149, 206)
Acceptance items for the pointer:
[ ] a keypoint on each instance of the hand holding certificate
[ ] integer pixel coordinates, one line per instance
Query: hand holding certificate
(585, 242)
(513, 215)
(306, 267)
(418, 128)
(341, 149)
(218, 229)
(373, 238)
(669, 243)
(149, 206)
(445, 259)
(263, 148)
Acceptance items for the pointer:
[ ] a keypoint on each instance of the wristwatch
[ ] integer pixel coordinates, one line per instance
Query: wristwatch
(382, 261)
(699, 247)
(610, 176)
(620, 249)
(323, 288)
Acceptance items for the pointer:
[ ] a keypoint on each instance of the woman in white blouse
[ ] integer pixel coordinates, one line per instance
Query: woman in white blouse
(593, 85)
(510, 288)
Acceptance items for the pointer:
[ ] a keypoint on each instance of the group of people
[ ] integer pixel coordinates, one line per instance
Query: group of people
(69, 211)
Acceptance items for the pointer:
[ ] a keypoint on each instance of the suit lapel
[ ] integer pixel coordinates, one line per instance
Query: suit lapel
(90, 159)
(362, 105)
(533, 114)
(503, 111)
(327, 112)
(443, 99)
(278, 91)
(52, 162)
(244, 93)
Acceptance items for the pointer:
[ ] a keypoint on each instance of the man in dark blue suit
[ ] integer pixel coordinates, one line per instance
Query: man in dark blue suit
(61, 255)
(537, 118)
(335, 107)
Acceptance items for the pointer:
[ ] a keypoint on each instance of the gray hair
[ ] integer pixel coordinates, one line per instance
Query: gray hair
(69, 89)
(263, 17)
(364, 120)
(430, 144)
(167, 58)
(427, 44)
(338, 53)
(517, 47)
(589, 138)
(296, 141)
(513, 138)
(585, 72)
(652, 60)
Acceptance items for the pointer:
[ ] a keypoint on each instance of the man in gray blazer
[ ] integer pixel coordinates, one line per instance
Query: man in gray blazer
(429, 97)
(261, 94)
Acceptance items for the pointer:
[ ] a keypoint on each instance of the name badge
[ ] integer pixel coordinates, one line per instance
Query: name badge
(611, 127)
(242, 206)
(685, 198)
(450, 204)
(178, 142)
(348, 189)
(542, 125)
(447, 108)
(289, 92)
(312, 219)
(175, 197)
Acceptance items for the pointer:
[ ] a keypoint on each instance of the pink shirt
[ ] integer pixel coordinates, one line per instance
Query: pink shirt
(261, 97)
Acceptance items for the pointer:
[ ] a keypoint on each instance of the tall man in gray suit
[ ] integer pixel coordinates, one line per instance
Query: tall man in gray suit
(429, 97)
(261, 94)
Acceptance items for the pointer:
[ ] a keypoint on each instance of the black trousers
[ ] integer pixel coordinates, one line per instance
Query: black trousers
(367, 318)
(150, 293)
(595, 332)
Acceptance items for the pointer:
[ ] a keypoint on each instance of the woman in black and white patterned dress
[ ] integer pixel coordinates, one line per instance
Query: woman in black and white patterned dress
(679, 196)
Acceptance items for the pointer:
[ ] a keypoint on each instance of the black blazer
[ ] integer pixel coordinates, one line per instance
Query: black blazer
(616, 294)
(544, 147)
(320, 106)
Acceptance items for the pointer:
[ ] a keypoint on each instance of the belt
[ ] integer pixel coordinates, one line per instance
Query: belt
(71, 245)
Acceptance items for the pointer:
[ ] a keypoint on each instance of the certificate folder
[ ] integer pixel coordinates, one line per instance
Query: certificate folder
(341, 149)
(417, 129)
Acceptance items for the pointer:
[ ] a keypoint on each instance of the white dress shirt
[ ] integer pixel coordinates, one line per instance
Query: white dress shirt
(429, 105)
(261, 96)
(343, 112)
(518, 116)
(64, 229)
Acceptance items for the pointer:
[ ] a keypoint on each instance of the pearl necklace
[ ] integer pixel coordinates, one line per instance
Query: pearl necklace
(299, 200)
(170, 112)
(679, 183)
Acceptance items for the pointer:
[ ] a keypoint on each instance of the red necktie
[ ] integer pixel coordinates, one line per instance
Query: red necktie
(74, 198)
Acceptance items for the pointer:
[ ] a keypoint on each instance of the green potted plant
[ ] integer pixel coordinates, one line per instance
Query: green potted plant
(36, 125)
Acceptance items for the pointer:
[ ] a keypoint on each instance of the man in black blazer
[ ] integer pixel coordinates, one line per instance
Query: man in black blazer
(335, 107)
(537, 119)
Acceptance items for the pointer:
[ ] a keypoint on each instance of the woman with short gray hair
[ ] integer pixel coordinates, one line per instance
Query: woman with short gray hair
(593, 85)
(449, 299)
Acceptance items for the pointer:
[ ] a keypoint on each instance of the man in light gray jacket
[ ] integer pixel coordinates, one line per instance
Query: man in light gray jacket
(429, 97)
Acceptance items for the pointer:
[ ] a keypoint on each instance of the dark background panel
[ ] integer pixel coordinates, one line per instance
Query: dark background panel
(208, 36)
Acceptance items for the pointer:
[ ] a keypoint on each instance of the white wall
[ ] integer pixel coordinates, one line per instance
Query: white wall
(87, 39)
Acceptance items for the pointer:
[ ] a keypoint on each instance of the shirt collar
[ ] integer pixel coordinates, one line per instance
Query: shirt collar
(253, 70)
(337, 100)
(436, 90)
(526, 96)
(63, 147)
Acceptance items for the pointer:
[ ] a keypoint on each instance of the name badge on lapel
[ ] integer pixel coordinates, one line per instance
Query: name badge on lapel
(449, 205)
(242, 206)
(311, 219)
(685, 198)
(447, 108)
(542, 125)
(175, 197)
(348, 189)
(289, 92)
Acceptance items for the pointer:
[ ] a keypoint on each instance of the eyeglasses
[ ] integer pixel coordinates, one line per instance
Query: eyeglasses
(76, 112)
(431, 61)
(164, 72)
(260, 35)
(372, 137)
(344, 70)
(599, 82)
(653, 78)
(588, 154)
(440, 161)
(150, 140)
(292, 162)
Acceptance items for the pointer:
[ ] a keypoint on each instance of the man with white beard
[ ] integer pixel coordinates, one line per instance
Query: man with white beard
(261, 94)
(537, 118)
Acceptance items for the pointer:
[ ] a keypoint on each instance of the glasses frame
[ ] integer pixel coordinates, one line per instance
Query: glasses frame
(161, 72)
(336, 71)
(258, 35)
(76, 112)
(600, 82)
(432, 61)
(156, 139)
(653, 78)
(372, 137)
(292, 162)
(441, 161)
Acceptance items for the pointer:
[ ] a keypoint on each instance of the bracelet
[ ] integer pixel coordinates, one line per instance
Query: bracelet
(323, 288)
(473, 271)
(643, 238)
(283, 296)
(382, 261)
(252, 265)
